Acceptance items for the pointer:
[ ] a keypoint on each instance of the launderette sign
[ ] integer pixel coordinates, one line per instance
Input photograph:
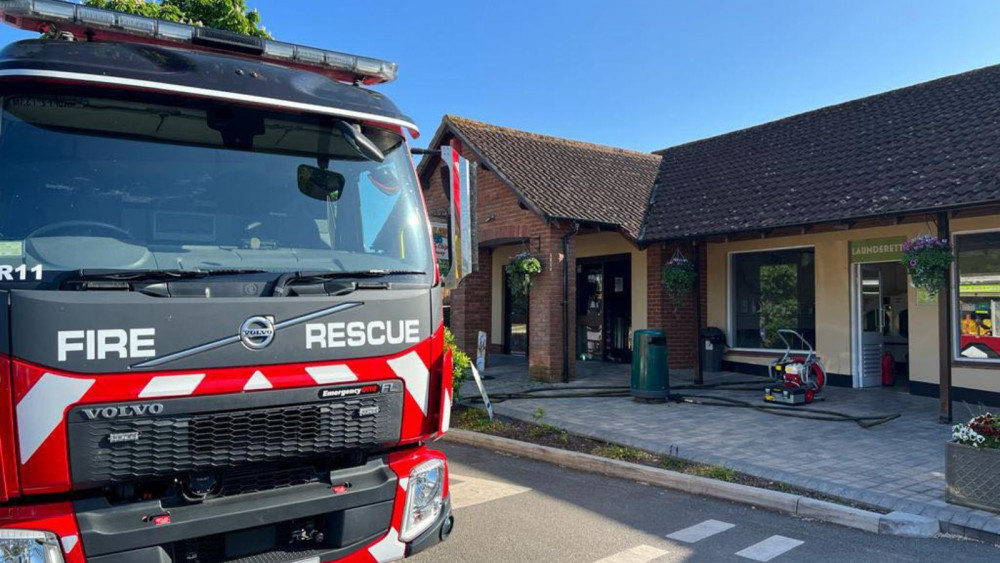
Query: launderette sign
(889, 249)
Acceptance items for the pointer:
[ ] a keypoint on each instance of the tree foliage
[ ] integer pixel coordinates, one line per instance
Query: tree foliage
(779, 302)
(229, 15)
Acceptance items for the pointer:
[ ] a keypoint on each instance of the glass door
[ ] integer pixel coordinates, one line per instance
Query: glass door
(871, 317)
(515, 321)
(590, 311)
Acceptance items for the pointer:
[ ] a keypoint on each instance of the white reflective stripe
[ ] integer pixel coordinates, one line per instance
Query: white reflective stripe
(257, 381)
(769, 548)
(325, 375)
(69, 542)
(638, 554)
(411, 369)
(388, 548)
(404, 482)
(698, 532)
(446, 412)
(171, 385)
(42, 409)
(207, 93)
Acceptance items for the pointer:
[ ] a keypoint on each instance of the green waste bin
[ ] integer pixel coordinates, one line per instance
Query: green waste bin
(650, 376)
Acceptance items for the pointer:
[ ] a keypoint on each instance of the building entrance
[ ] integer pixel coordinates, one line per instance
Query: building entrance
(881, 324)
(604, 308)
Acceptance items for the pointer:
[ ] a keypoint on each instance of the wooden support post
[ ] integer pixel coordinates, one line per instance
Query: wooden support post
(944, 331)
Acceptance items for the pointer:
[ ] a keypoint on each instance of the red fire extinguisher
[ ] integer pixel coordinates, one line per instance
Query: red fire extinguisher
(888, 370)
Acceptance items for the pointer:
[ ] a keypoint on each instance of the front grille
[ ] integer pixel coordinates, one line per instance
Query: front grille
(171, 444)
(260, 479)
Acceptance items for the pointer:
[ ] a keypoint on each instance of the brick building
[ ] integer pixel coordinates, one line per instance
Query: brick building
(578, 208)
(798, 223)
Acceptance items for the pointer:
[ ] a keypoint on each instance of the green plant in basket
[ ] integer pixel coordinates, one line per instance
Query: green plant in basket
(679, 278)
(928, 259)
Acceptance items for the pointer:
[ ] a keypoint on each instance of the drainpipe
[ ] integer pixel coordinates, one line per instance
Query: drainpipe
(566, 304)
(699, 373)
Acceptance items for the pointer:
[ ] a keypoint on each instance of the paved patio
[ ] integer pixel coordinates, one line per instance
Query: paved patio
(897, 466)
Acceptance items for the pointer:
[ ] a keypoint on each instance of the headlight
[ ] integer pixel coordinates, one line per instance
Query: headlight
(424, 499)
(29, 546)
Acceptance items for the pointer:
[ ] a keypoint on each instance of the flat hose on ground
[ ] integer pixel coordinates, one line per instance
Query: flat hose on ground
(605, 391)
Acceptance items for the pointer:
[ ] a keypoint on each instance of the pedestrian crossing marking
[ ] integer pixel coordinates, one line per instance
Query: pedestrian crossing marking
(470, 491)
(638, 554)
(769, 548)
(698, 532)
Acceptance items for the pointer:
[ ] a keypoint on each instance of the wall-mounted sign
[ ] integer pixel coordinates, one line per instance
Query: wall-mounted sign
(975, 288)
(888, 249)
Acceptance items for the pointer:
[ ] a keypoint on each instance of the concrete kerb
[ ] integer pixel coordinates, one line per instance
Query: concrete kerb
(895, 523)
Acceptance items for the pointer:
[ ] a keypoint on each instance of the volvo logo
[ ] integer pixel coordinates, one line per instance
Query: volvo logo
(122, 411)
(256, 333)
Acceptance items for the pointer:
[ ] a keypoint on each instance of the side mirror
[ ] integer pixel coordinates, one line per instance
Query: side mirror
(320, 184)
(461, 227)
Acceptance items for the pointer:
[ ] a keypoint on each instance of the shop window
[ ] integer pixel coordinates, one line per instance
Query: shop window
(772, 290)
(978, 266)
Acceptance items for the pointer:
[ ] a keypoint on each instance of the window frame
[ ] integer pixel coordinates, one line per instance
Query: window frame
(954, 322)
(731, 288)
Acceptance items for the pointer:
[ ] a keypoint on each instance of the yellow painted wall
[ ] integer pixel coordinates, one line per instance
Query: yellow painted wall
(501, 255)
(605, 244)
(833, 305)
(833, 298)
(973, 378)
(587, 246)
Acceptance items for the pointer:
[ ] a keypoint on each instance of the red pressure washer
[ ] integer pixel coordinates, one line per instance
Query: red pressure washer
(799, 378)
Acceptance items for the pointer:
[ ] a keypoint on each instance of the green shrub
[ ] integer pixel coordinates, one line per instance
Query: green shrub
(461, 365)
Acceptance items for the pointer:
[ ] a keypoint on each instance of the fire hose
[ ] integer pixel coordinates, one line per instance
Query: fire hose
(605, 391)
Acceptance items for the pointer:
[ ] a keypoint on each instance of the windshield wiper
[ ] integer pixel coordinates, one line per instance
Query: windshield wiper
(122, 278)
(327, 281)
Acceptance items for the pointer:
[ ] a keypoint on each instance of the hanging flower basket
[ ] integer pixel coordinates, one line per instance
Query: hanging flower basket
(928, 259)
(521, 271)
(678, 278)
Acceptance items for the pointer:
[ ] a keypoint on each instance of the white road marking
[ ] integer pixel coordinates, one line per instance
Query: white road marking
(769, 548)
(698, 532)
(470, 491)
(639, 554)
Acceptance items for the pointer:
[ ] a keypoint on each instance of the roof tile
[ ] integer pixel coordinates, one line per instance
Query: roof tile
(914, 149)
(567, 179)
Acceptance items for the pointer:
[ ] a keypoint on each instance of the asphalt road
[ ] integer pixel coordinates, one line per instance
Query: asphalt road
(515, 510)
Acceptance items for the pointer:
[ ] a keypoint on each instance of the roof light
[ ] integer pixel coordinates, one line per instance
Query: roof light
(98, 24)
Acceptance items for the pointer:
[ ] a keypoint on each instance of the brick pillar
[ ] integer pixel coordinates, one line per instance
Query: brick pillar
(656, 299)
(546, 306)
(471, 305)
(678, 316)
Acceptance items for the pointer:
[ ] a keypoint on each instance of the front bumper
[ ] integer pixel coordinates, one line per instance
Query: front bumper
(357, 525)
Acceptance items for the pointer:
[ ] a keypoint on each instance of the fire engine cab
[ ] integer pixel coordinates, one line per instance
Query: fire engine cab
(221, 334)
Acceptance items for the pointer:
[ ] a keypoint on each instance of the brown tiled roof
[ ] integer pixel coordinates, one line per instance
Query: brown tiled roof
(561, 178)
(927, 147)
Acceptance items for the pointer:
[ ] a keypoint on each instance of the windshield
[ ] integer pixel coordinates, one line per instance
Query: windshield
(90, 183)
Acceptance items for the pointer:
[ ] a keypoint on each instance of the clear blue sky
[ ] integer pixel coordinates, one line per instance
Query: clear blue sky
(642, 74)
